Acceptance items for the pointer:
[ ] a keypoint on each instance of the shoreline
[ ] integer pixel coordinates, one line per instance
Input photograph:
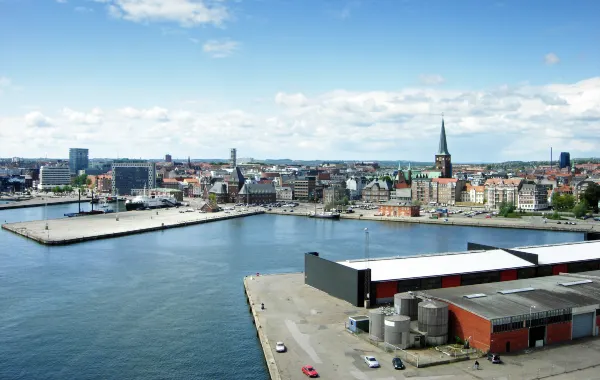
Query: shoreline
(39, 203)
(454, 221)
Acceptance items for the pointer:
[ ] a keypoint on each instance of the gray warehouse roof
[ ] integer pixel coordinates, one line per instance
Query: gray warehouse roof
(513, 298)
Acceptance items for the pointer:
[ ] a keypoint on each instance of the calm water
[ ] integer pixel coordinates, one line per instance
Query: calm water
(170, 304)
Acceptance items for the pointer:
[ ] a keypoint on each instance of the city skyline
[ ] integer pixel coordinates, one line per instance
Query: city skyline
(356, 80)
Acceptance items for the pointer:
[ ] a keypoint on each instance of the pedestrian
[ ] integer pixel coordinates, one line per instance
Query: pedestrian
(476, 366)
(262, 306)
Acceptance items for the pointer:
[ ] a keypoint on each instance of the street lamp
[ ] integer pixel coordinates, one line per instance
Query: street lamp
(530, 309)
(367, 276)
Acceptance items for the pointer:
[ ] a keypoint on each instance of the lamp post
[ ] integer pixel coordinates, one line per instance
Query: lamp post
(367, 274)
(530, 309)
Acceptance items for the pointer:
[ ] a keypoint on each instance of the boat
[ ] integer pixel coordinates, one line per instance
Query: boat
(84, 213)
(152, 201)
(325, 215)
(334, 215)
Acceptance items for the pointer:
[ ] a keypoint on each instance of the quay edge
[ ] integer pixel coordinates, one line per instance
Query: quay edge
(262, 336)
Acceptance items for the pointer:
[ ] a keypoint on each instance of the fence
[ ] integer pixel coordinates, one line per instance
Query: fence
(405, 355)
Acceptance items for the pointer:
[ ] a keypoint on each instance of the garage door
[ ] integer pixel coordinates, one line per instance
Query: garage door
(583, 325)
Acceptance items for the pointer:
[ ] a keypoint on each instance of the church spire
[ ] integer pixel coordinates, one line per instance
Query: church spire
(443, 148)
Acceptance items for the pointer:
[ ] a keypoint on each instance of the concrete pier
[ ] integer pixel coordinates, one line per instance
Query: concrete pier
(79, 229)
(40, 201)
(311, 324)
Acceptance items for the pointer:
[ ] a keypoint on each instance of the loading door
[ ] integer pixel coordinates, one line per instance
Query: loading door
(583, 325)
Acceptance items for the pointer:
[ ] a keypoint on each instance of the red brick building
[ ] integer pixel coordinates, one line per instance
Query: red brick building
(515, 315)
(397, 210)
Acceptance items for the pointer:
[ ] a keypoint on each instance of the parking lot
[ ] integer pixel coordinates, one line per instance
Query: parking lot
(311, 324)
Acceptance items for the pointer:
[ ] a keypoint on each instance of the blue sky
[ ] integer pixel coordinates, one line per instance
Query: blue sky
(310, 79)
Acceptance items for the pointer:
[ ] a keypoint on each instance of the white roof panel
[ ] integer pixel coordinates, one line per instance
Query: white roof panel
(438, 265)
(565, 253)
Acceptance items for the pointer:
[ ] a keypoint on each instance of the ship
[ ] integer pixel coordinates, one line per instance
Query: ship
(142, 202)
(325, 215)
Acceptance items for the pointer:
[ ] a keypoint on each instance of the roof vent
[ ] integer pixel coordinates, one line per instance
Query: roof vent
(476, 295)
(512, 291)
(580, 282)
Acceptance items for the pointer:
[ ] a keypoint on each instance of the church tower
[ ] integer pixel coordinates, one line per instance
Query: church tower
(443, 159)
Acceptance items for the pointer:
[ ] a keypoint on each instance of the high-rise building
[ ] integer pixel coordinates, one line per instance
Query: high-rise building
(53, 176)
(565, 160)
(78, 159)
(443, 159)
(129, 175)
(168, 158)
(233, 158)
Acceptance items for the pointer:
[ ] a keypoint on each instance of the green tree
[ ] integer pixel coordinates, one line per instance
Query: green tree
(580, 209)
(506, 209)
(416, 203)
(212, 199)
(592, 196)
(80, 180)
(557, 201)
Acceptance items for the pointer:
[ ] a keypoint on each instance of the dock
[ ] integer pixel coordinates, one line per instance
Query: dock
(66, 231)
(39, 202)
(311, 324)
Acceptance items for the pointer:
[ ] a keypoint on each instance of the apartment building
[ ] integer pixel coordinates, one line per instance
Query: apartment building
(53, 176)
(304, 187)
(502, 190)
(533, 197)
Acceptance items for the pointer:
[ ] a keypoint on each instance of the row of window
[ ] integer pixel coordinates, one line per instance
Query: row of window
(531, 320)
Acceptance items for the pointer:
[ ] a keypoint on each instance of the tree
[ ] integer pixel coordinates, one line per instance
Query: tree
(592, 195)
(506, 209)
(580, 209)
(212, 199)
(80, 180)
(416, 203)
(563, 202)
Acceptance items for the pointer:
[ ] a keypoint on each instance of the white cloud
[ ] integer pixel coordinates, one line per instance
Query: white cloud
(507, 123)
(93, 117)
(154, 113)
(187, 13)
(551, 59)
(431, 79)
(220, 48)
(37, 119)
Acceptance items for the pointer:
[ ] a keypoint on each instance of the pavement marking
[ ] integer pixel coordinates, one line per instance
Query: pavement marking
(303, 341)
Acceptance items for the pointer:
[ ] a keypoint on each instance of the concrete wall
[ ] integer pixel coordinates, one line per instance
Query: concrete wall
(466, 325)
(335, 279)
(558, 332)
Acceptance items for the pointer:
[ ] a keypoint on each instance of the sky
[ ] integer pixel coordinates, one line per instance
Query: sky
(300, 79)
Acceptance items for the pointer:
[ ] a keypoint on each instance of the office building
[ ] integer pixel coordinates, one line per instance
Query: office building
(168, 158)
(53, 176)
(78, 160)
(129, 175)
(565, 160)
(233, 158)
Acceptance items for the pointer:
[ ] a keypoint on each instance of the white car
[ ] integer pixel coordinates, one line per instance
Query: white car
(279, 347)
(371, 362)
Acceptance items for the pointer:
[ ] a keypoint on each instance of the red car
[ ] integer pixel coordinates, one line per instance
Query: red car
(309, 371)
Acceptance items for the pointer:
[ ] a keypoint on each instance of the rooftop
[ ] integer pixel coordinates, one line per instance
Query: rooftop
(438, 264)
(564, 253)
(520, 297)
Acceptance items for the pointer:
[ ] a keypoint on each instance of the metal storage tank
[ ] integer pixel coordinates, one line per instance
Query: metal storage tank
(376, 318)
(397, 330)
(407, 304)
(433, 320)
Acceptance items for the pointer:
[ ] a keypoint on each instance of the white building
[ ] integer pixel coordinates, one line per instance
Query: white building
(533, 197)
(53, 176)
(284, 193)
(355, 186)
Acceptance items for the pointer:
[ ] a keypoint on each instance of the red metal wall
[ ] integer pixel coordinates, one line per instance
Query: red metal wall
(465, 324)
(558, 268)
(558, 332)
(450, 281)
(508, 275)
(519, 341)
(386, 289)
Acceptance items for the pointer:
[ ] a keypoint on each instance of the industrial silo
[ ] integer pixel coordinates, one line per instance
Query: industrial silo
(433, 321)
(376, 318)
(406, 304)
(397, 330)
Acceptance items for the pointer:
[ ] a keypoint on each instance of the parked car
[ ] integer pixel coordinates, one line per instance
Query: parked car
(280, 347)
(371, 362)
(397, 363)
(494, 358)
(309, 371)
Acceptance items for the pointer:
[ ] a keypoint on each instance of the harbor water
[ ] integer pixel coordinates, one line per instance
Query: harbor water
(170, 304)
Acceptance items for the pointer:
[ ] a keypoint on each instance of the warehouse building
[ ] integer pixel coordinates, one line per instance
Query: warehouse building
(515, 315)
(374, 282)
